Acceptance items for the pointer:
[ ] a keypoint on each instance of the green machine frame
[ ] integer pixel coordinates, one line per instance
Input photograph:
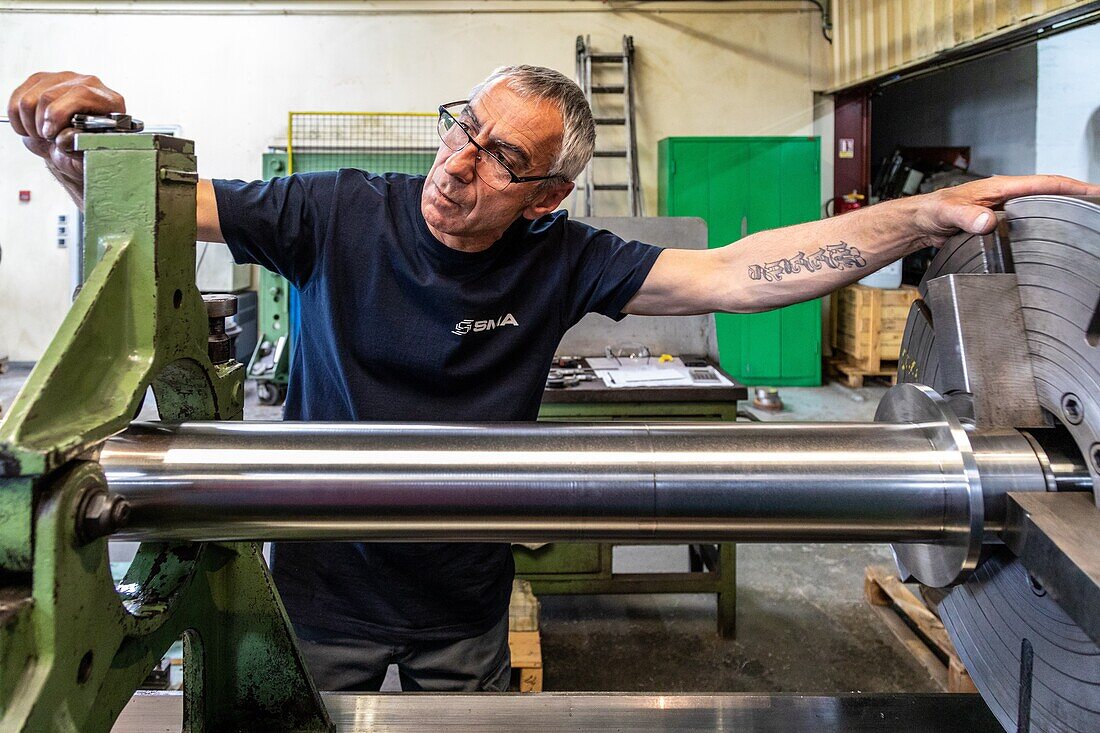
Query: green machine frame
(71, 661)
(270, 362)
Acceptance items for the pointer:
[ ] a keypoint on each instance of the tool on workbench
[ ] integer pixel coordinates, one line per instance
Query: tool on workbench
(568, 371)
(562, 378)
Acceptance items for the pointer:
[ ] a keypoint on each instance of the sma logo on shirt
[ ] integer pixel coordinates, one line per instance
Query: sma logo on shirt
(469, 325)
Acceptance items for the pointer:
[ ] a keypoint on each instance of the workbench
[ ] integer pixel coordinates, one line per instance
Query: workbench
(594, 400)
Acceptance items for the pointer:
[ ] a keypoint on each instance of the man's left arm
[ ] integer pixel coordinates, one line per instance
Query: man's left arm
(783, 266)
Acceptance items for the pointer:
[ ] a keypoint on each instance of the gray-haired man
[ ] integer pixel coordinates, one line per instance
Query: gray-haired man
(444, 297)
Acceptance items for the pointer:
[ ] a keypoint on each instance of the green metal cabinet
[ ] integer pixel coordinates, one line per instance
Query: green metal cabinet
(742, 185)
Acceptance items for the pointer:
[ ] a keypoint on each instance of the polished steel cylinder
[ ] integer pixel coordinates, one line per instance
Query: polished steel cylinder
(846, 482)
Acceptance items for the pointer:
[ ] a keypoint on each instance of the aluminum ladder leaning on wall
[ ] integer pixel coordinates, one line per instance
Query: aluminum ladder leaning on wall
(622, 117)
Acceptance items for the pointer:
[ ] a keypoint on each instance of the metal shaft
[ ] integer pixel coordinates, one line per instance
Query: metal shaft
(523, 482)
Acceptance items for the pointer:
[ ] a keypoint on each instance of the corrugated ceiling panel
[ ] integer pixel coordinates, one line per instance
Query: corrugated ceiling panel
(876, 38)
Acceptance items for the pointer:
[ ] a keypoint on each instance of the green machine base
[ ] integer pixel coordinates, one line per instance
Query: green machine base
(71, 661)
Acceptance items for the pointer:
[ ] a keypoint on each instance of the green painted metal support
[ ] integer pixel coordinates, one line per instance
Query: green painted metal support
(73, 647)
(269, 365)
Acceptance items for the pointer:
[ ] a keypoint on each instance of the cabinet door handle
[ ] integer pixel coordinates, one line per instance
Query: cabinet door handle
(744, 226)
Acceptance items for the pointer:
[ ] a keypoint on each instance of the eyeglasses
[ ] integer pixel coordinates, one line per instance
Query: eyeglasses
(490, 166)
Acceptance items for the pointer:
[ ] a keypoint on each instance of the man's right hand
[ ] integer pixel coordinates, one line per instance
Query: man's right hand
(41, 110)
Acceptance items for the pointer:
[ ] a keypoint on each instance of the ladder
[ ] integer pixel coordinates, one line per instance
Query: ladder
(622, 117)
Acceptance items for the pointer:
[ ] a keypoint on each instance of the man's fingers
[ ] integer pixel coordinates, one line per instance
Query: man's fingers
(26, 108)
(14, 112)
(46, 98)
(66, 141)
(970, 218)
(59, 153)
(981, 220)
(38, 146)
(969, 207)
(43, 105)
(1009, 187)
(1074, 187)
(66, 165)
(80, 95)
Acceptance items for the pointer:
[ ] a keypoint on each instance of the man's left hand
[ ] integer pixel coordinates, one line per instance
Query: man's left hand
(969, 207)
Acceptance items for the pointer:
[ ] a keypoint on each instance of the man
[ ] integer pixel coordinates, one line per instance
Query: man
(390, 268)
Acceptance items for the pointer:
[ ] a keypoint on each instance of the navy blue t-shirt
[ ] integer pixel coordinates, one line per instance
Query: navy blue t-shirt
(397, 326)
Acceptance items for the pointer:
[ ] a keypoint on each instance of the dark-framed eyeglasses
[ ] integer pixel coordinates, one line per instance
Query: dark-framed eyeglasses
(490, 166)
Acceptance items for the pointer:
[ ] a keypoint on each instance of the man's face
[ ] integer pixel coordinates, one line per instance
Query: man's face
(526, 133)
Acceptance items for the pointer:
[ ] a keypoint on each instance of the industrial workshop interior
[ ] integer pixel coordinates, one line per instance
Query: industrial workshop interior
(549, 365)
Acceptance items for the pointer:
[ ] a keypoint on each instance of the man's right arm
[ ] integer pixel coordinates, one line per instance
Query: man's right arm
(206, 211)
(40, 111)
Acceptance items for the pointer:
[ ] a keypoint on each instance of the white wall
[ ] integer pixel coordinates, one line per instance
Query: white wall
(824, 128)
(1068, 124)
(230, 80)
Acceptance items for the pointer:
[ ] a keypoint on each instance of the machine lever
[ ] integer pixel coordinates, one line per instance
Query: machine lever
(111, 122)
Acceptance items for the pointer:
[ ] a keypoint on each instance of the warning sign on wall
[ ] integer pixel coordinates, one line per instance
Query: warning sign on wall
(846, 147)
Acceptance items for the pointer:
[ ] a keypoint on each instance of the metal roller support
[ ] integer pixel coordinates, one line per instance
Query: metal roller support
(1034, 664)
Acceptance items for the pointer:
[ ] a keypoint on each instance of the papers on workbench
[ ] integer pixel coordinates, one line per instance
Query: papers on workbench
(619, 373)
(645, 377)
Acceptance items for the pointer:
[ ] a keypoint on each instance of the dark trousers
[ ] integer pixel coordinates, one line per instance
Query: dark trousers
(482, 663)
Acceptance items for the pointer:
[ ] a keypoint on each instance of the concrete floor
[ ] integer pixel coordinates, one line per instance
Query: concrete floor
(802, 623)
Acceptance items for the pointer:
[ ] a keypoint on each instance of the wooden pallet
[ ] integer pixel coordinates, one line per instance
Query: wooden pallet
(854, 374)
(868, 324)
(526, 650)
(523, 637)
(917, 628)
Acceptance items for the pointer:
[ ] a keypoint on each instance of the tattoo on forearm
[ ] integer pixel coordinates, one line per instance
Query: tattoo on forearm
(839, 256)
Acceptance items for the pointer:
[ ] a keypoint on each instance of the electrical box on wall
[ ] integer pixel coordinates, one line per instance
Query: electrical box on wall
(67, 232)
